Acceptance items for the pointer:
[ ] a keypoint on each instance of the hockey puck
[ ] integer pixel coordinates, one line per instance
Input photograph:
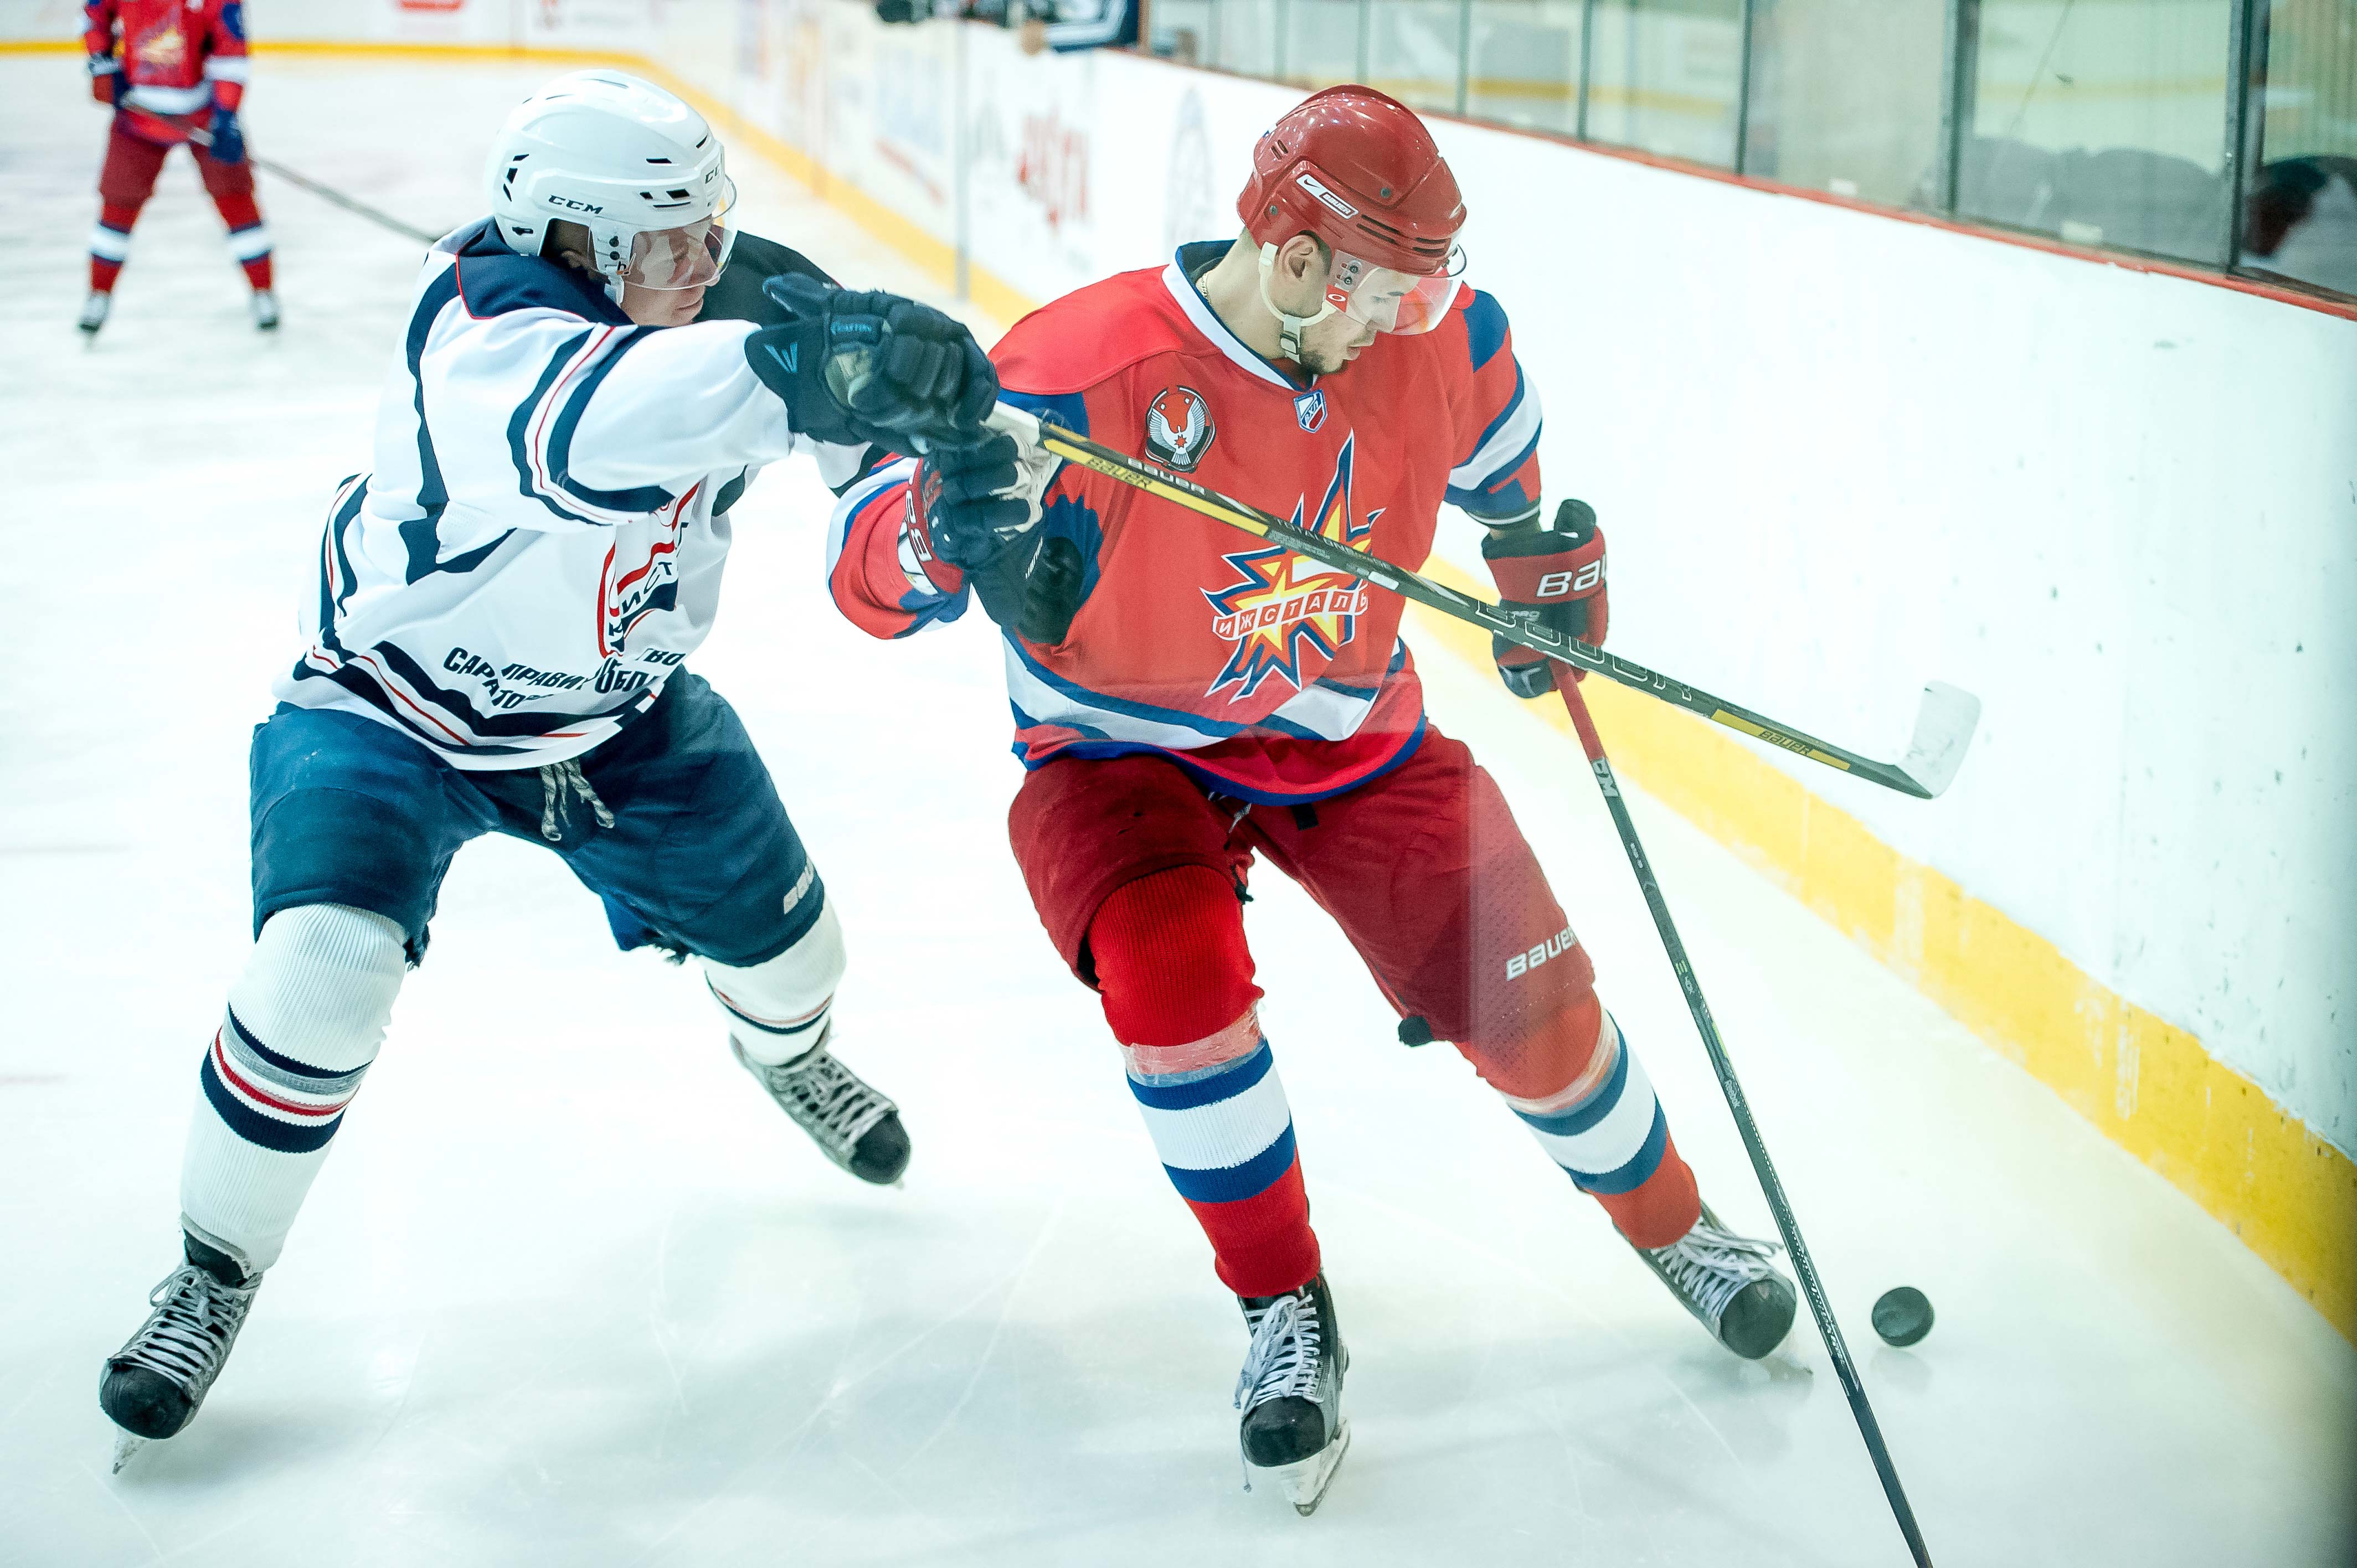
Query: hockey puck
(1902, 1317)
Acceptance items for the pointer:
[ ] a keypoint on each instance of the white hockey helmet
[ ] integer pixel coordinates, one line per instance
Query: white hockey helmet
(630, 163)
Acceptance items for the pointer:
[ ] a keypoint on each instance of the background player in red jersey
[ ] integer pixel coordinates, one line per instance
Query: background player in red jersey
(153, 59)
(1186, 701)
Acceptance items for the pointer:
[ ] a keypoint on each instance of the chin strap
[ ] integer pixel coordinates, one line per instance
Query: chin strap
(1289, 327)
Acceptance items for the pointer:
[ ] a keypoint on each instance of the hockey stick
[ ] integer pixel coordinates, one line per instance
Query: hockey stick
(325, 193)
(1786, 1225)
(1944, 723)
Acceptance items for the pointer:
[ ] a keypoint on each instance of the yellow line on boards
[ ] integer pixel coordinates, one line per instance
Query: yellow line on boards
(2146, 1084)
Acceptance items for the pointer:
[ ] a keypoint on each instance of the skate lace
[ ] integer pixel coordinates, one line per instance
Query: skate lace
(1710, 1265)
(188, 1336)
(560, 782)
(827, 1099)
(1282, 1361)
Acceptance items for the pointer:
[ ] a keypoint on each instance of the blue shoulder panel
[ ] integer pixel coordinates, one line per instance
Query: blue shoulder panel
(1485, 328)
(1070, 410)
(494, 280)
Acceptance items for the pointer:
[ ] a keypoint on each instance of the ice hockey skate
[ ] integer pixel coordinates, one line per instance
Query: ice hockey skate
(853, 1125)
(264, 305)
(153, 1385)
(1290, 1391)
(93, 311)
(1728, 1284)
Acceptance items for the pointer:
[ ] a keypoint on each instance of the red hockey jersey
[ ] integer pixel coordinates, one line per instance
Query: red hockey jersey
(1265, 675)
(177, 56)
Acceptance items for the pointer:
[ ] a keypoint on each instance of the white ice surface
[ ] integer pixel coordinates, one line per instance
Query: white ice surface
(570, 1291)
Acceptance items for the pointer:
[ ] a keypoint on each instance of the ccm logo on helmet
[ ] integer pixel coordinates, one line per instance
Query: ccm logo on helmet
(567, 202)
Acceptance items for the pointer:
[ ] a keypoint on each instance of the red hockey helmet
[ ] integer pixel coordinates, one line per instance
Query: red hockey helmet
(1360, 171)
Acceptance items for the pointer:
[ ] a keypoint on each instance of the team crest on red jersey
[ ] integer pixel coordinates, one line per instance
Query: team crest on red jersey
(1285, 606)
(1179, 429)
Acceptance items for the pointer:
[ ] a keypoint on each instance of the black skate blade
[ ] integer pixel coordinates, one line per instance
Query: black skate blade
(126, 1445)
(1303, 1482)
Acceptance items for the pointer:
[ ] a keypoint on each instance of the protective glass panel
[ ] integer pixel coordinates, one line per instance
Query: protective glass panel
(2101, 121)
(1664, 77)
(2300, 216)
(1525, 64)
(1412, 48)
(1845, 97)
(1321, 41)
(1181, 30)
(1244, 35)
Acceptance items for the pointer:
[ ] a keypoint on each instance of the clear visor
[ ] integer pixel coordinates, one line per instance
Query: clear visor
(1391, 301)
(686, 257)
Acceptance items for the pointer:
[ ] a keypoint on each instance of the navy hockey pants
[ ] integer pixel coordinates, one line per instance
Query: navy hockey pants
(700, 856)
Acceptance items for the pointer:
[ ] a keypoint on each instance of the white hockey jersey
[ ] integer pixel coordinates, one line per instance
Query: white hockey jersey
(540, 542)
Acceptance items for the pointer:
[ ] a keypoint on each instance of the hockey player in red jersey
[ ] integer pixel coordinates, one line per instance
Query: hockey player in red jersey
(1186, 700)
(152, 61)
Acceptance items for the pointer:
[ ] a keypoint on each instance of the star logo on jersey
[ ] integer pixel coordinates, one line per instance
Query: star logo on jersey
(164, 46)
(1179, 429)
(1286, 607)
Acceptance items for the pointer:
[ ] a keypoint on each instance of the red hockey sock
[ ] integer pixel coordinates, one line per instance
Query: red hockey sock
(1175, 981)
(109, 243)
(1663, 1207)
(1579, 1087)
(1171, 964)
(249, 242)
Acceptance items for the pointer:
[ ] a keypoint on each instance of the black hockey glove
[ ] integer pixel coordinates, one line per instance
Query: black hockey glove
(973, 512)
(229, 141)
(1556, 575)
(979, 511)
(872, 369)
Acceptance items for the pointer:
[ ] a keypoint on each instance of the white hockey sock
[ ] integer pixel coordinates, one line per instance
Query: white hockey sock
(304, 1023)
(1604, 1128)
(778, 1009)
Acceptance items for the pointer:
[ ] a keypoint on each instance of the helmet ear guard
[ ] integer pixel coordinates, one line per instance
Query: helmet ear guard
(1289, 327)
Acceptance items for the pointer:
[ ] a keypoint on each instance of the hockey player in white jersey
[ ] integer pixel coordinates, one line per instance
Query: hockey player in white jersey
(495, 645)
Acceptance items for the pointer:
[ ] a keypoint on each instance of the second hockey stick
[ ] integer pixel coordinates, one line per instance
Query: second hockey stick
(324, 192)
(1944, 723)
(1789, 1228)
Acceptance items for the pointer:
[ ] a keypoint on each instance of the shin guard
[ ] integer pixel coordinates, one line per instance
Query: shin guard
(1608, 1132)
(304, 1023)
(779, 1009)
(1175, 979)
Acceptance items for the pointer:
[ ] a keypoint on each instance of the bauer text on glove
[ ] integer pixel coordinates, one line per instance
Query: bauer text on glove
(1557, 575)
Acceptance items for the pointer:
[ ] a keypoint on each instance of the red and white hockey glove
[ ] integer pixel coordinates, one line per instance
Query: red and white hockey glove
(106, 80)
(1556, 574)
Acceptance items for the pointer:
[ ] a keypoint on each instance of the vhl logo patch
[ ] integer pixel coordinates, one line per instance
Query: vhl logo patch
(1179, 429)
(1310, 408)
